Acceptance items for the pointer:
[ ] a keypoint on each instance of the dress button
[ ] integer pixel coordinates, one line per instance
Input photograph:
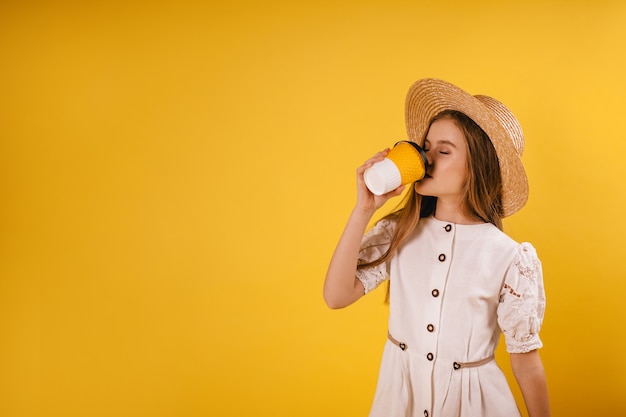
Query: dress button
(430, 328)
(435, 293)
(425, 413)
(442, 257)
(448, 227)
(430, 356)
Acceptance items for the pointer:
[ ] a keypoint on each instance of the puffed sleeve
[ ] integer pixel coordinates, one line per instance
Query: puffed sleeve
(374, 244)
(522, 302)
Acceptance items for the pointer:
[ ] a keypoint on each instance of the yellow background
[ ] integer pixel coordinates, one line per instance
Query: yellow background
(174, 176)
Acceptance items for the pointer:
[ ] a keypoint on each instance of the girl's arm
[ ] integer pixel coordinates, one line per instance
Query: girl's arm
(528, 370)
(341, 286)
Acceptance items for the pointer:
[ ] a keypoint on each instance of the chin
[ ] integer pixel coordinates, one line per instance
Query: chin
(421, 190)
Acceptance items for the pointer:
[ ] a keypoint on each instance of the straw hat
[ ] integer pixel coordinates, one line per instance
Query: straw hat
(428, 97)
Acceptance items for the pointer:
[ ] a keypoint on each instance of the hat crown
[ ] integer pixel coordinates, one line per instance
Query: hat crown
(507, 119)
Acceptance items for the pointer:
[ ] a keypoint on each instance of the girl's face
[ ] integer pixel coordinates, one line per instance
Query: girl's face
(446, 150)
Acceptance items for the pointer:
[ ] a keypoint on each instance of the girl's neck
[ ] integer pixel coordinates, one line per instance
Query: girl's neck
(453, 213)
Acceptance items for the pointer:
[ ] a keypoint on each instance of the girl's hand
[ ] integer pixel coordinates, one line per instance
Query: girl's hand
(366, 200)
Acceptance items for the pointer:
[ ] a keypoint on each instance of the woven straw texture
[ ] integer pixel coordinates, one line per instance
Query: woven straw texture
(428, 97)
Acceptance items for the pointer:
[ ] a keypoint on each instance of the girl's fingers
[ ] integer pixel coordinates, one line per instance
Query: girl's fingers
(376, 158)
(396, 192)
(365, 198)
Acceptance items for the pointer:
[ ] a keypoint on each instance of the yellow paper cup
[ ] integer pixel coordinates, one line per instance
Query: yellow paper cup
(405, 163)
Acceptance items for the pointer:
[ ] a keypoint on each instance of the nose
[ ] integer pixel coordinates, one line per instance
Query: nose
(430, 162)
(429, 159)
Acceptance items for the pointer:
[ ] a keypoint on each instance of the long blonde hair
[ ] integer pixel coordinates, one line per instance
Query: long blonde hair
(483, 189)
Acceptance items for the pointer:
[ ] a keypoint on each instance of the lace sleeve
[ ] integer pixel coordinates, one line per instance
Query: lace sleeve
(522, 302)
(374, 244)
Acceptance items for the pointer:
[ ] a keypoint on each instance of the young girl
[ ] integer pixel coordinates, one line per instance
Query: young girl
(456, 280)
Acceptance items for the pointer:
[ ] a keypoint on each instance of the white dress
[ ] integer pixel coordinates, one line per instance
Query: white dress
(453, 289)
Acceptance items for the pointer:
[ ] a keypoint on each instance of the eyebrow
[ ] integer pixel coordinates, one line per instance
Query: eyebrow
(441, 142)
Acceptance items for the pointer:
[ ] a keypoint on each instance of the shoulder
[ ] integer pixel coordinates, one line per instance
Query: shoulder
(523, 253)
(384, 227)
(489, 237)
(500, 237)
(380, 234)
(491, 245)
(505, 242)
(527, 261)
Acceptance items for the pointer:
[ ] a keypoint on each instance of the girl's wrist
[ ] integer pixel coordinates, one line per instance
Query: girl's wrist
(364, 212)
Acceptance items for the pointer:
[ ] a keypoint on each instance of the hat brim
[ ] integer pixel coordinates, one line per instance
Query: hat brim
(428, 97)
